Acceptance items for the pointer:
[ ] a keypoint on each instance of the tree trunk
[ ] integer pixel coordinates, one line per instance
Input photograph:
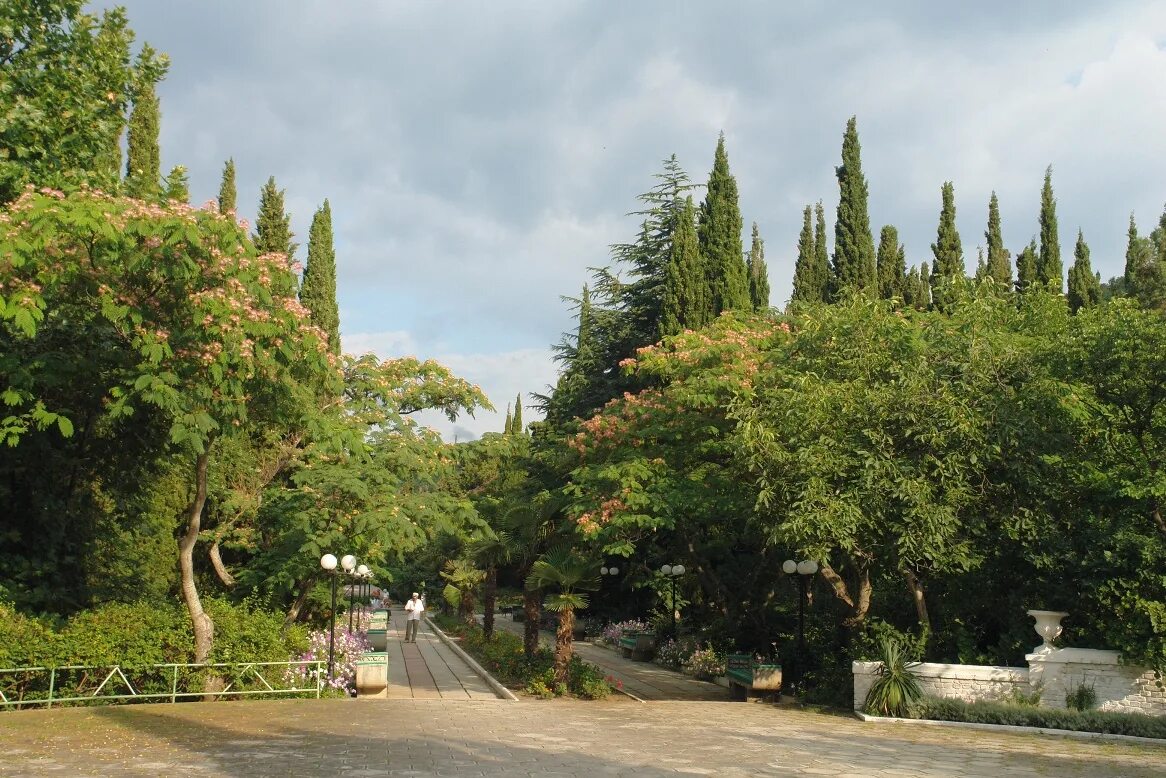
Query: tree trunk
(489, 599)
(859, 605)
(916, 589)
(466, 608)
(532, 609)
(563, 645)
(293, 612)
(220, 569)
(204, 628)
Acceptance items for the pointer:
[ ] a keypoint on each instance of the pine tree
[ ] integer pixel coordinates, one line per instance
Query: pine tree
(318, 292)
(273, 233)
(854, 253)
(1049, 270)
(684, 287)
(948, 251)
(892, 264)
(720, 238)
(228, 193)
(143, 158)
(758, 273)
(999, 264)
(808, 284)
(517, 427)
(177, 185)
(821, 253)
(1026, 262)
(1084, 284)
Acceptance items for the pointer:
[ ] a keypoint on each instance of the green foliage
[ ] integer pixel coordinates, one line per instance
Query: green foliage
(999, 264)
(1084, 284)
(949, 254)
(1082, 698)
(1026, 267)
(892, 264)
(1049, 270)
(719, 233)
(758, 273)
(228, 191)
(1133, 724)
(685, 287)
(810, 276)
(896, 690)
(273, 234)
(177, 185)
(318, 292)
(854, 252)
(143, 157)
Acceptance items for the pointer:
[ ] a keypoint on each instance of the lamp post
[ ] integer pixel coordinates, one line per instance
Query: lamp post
(328, 562)
(804, 570)
(673, 572)
(609, 571)
(365, 576)
(348, 562)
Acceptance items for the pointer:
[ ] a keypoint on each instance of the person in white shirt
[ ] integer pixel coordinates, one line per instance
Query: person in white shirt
(413, 610)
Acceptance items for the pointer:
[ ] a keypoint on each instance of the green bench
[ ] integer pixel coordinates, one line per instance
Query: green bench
(633, 643)
(744, 676)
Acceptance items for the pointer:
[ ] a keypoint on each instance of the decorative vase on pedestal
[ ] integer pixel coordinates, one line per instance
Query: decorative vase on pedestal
(1048, 626)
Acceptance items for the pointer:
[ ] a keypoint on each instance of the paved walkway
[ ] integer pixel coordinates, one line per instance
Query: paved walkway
(428, 669)
(255, 739)
(646, 680)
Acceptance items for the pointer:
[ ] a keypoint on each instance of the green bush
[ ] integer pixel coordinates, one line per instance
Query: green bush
(896, 690)
(586, 680)
(1051, 718)
(1082, 698)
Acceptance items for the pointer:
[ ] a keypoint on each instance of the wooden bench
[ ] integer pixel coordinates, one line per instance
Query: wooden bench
(642, 643)
(744, 676)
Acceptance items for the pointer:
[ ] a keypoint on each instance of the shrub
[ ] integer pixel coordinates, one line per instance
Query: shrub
(586, 680)
(896, 689)
(706, 664)
(1106, 722)
(348, 650)
(673, 654)
(613, 632)
(1082, 698)
(1031, 698)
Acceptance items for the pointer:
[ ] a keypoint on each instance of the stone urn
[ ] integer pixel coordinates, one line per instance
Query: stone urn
(1048, 626)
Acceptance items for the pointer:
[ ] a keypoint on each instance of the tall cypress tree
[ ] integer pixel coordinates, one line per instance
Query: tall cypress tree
(684, 287)
(720, 238)
(143, 158)
(892, 264)
(517, 428)
(1132, 254)
(177, 185)
(999, 264)
(758, 273)
(228, 192)
(318, 292)
(948, 251)
(273, 233)
(923, 292)
(1084, 284)
(508, 427)
(821, 253)
(1026, 267)
(854, 253)
(1049, 270)
(809, 284)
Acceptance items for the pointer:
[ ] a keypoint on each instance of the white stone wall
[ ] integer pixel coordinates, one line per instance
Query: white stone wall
(970, 683)
(1057, 673)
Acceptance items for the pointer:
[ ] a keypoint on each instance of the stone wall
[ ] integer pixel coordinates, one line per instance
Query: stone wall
(1055, 672)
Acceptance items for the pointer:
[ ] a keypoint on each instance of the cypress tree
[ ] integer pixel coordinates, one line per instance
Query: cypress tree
(1158, 237)
(1026, 262)
(807, 282)
(318, 292)
(854, 253)
(177, 185)
(981, 265)
(892, 264)
(228, 193)
(684, 287)
(1049, 270)
(143, 158)
(1145, 273)
(517, 423)
(758, 273)
(923, 293)
(509, 427)
(948, 251)
(1084, 284)
(999, 264)
(720, 238)
(821, 253)
(1131, 269)
(273, 233)
(911, 289)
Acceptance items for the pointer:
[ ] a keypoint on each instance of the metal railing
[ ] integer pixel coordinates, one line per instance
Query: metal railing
(48, 686)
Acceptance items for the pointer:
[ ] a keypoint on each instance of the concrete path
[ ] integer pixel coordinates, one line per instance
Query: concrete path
(428, 669)
(646, 680)
(291, 738)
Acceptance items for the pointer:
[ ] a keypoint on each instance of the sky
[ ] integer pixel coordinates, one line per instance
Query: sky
(480, 157)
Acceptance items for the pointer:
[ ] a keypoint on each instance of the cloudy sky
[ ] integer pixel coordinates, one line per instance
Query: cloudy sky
(480, 156)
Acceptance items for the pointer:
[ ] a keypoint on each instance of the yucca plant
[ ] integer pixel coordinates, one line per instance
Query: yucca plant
(896, 690)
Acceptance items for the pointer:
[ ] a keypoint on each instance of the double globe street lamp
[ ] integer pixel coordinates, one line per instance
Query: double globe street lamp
(805, 571)
(347, 563)
(673, 572)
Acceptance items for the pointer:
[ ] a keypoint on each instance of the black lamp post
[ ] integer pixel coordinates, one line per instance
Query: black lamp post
(805, 571)
(328, 562)
(348, 562)
(673, 572)
(609, 571)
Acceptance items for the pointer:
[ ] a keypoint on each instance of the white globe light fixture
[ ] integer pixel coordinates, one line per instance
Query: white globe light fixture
(807, 567)
(328, 562)
(348, 562)
(805, 570)
(672, 571)
(789, 567)
(613, 571)
(362, 571)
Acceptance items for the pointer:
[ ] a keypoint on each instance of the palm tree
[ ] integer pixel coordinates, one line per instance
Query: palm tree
(571, 574)
(491, 552)
(463, 578)
(530, 523)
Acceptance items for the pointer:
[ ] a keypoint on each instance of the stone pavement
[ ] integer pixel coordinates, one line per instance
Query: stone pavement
(645, 680)
(290, 738)
(428, 669)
